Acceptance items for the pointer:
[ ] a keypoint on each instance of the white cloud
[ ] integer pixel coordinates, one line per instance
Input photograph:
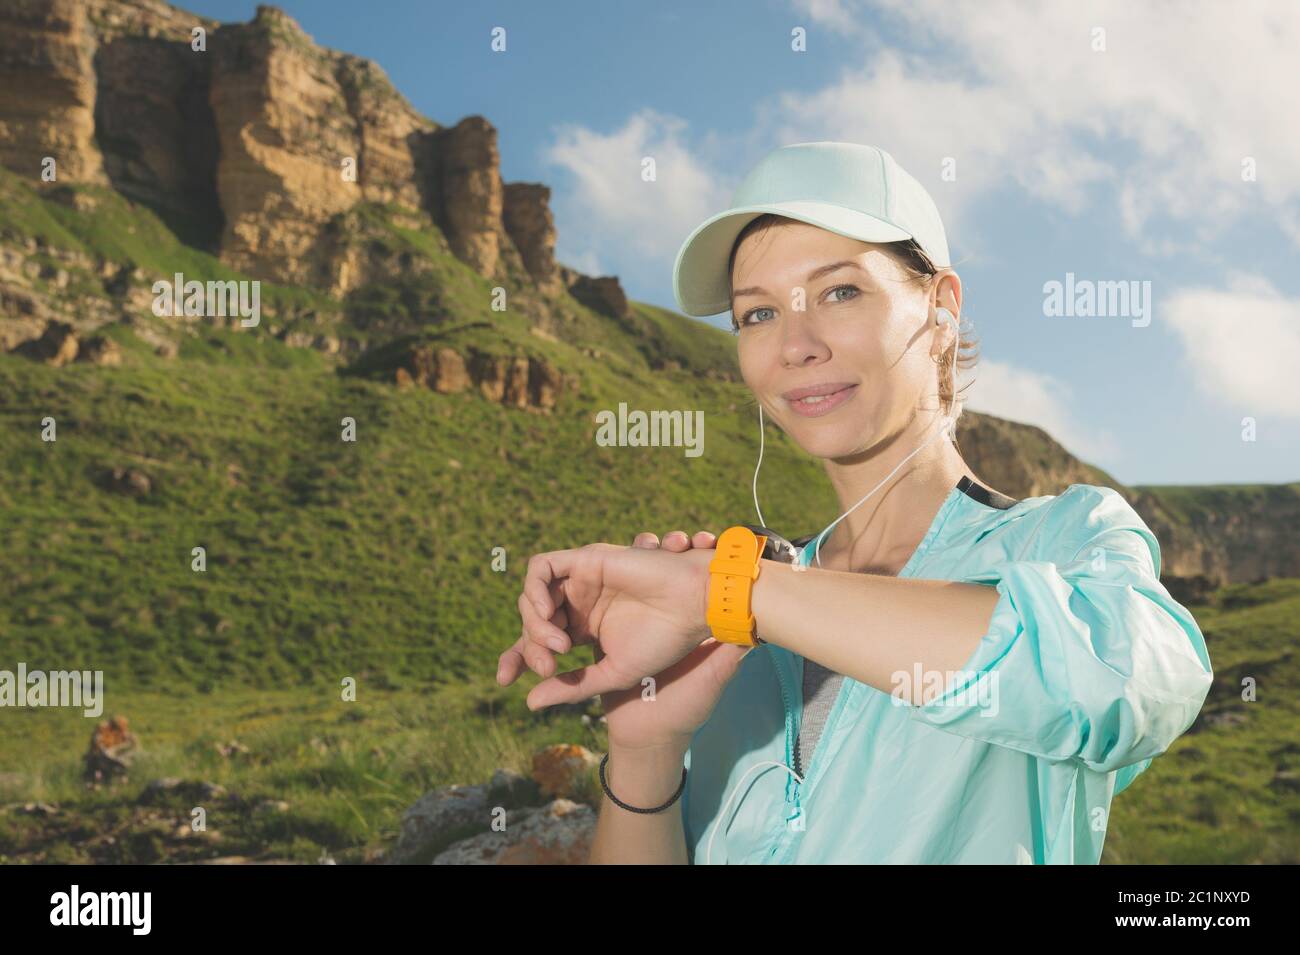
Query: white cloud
(1184, 91)
(1243, 344)
(1155, 128)
(587, 262)
(830, 12)
(607, 212)
(922, 117)
(1031, 397)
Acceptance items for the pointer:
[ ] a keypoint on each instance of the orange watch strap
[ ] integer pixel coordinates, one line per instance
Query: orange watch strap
(732, 572)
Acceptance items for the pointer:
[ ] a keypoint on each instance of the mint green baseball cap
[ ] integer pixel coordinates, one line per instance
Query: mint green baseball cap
(851, 189)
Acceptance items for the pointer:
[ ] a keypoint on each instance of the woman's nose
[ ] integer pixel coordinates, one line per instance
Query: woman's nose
(800, 340)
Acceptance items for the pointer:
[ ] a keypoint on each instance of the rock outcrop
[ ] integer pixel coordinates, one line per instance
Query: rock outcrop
(1021, 460)
(528, 221)
(469, 197)
(516, 381)
(1224, 535)
(47, 89)
(304, 134)
(72, 88)
(602, 294)
(57, 346)
(559, 833)
(544, 819)
(256, 142)
(154, 127)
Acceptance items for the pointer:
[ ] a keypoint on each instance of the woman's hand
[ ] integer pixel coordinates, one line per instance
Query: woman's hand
(643, 609)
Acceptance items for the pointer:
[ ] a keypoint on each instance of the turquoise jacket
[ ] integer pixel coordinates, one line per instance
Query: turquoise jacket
(1088, 671)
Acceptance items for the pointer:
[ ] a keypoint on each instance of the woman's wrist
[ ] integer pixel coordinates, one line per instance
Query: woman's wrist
(646, 776)
(699, 604)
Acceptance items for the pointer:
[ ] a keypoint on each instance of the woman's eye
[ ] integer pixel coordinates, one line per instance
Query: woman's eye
(744, 319)
(841, 288)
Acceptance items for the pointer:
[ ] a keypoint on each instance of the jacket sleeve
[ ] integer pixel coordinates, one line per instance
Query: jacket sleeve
(1087, 656)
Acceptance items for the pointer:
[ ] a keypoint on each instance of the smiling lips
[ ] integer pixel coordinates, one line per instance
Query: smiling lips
(816, 400)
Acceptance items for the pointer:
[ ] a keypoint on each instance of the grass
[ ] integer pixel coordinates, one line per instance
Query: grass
(1201, 504)
(1228, 794)
(347, 770)
(322, 555)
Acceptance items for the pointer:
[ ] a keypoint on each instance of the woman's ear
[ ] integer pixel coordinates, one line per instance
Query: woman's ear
(949, 292)
(946, 333)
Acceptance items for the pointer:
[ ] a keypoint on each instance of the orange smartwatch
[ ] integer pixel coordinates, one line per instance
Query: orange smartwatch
(732, 572)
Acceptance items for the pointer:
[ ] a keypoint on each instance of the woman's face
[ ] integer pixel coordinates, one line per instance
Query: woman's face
(861, 329)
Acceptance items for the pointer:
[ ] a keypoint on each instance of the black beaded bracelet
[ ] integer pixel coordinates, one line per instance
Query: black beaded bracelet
(622, 805)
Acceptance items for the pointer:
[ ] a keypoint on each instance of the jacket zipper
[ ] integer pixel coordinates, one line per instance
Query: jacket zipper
(794, 789)
(792, 784)
(792, 756)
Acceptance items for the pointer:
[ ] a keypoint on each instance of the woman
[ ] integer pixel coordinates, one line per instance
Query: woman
(947, 675)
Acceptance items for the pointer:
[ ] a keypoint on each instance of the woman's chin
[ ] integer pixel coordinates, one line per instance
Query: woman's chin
(829, 441)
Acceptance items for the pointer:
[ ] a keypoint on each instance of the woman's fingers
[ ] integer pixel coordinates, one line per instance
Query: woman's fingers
(676, 541)
(526, 654)
(574, 686)
(544, 613)
(536, 655)
(543, 571)
(540, 631)
(511, 663)
(554, 642)
(544, 616)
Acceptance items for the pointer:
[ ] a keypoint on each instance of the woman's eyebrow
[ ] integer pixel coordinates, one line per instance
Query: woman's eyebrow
(813, 276)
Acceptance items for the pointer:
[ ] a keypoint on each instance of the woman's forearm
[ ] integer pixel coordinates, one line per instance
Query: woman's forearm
(873, 628)
(647, 778)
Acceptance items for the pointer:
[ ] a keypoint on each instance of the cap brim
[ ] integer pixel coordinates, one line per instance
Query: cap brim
(700, 280)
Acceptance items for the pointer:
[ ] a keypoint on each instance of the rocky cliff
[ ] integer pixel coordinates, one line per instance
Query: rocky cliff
(256, 142)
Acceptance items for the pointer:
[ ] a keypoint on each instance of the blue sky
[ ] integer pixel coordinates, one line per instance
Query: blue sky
(1105, 139)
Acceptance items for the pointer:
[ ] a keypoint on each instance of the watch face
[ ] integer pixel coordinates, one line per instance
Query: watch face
(777, 547)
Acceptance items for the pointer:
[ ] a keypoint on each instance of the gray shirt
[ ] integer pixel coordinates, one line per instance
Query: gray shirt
(820, 688)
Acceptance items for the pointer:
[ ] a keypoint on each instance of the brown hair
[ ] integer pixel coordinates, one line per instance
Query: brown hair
(920, 269)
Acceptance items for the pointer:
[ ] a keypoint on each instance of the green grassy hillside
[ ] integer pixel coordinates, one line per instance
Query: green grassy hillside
(1228, 791)
(325, 557)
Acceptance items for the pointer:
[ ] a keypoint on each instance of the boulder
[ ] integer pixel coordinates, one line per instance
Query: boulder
(561, 770)
(100, 351)
(113, 747)
(438, 816)
(171, 788)
(129, 481)
(559, 833)
(57, 346)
